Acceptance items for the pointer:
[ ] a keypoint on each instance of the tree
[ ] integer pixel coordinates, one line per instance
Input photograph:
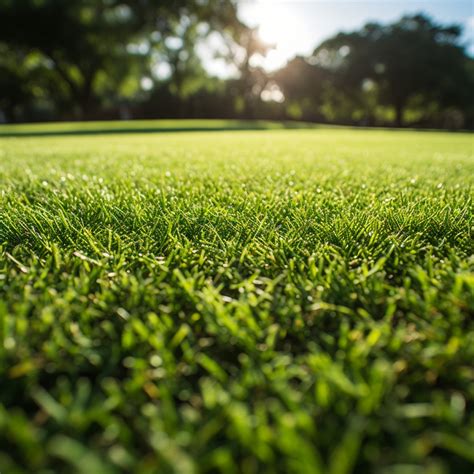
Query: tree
(303, 86)
(92, 46)
(244, 48)
(412, 59)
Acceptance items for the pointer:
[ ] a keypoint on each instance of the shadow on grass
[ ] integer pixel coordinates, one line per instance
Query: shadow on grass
(105, 128)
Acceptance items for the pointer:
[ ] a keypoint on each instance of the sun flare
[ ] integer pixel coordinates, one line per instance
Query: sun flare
(273, 26)
(278, 27)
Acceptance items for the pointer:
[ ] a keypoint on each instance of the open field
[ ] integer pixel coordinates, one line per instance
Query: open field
(236, 301)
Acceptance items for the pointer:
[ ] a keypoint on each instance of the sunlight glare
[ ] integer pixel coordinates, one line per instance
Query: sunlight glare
(280, 28)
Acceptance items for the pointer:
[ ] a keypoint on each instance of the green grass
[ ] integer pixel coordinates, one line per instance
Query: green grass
(243, 301)
(146, 126)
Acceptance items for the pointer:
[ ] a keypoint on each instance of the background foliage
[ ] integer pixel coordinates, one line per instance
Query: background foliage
(69, 59)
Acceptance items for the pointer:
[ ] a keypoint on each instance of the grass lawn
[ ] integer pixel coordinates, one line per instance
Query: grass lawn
(254, 301)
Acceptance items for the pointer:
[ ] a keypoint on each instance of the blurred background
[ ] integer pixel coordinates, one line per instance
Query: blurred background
(367, 63)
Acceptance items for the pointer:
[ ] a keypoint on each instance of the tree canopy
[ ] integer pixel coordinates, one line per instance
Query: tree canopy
(86, 51)
(413, 61)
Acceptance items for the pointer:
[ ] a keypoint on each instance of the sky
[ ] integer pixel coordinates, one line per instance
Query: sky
(298, 26)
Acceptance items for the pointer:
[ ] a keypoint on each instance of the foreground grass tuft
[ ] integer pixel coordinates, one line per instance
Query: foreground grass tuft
(242, 301)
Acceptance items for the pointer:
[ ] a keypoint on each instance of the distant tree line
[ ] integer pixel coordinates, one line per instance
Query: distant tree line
(105, 59)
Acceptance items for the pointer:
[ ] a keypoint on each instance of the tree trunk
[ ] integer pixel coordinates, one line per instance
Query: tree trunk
(81, 93)
(85, 99)
(399, 112)
(86, 106)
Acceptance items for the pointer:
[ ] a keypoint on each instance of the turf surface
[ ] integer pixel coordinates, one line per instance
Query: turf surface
(242, 301)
